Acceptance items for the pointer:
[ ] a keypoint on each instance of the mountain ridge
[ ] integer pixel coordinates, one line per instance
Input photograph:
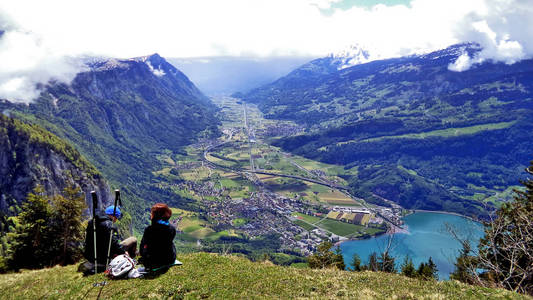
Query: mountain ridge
(120, 114)
(347, 111)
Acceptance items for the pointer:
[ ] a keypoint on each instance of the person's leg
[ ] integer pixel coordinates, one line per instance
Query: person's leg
(131, 246)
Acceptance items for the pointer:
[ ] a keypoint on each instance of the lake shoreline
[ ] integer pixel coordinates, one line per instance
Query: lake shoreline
(402, 230)
(426, 237)
(338, 243)
(440, 212)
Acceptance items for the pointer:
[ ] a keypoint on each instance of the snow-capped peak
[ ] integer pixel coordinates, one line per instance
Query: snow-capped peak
(351, 56)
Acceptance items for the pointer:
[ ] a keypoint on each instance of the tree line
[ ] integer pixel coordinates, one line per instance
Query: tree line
(325, 257)
(48, 231)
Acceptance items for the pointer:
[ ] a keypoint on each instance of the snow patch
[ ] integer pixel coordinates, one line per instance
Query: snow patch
(157, 72)
(351, 56)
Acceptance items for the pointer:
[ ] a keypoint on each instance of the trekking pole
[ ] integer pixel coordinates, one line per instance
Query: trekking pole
(117, 199)
(95, 204)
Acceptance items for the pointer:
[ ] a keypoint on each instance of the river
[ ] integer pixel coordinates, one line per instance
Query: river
(427, 236)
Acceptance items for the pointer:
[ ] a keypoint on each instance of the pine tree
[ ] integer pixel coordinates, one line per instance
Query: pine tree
(31, 245)
(408, 268)
(386, 263)
(47, 234)
(325, 258)
(433, 271)
(356, 263)
(506, 250)
(428, 270)
(338, 259)
(373, 262)
(322, 258)
(465, 265)
(67, 217)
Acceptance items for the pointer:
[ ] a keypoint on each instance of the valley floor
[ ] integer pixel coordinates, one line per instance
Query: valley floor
(215, 276)
(250, 189)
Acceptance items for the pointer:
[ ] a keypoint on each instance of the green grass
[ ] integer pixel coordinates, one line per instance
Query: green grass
(319, 188)
(239, 222)
(216, 235)
(191, 228)
(239, 194)
(341, 228)
(228, 183)
(307, 218)
(212, 276)
(301, 265)
(304, 225)
(450, 132)
(505, 195)
(412, 172)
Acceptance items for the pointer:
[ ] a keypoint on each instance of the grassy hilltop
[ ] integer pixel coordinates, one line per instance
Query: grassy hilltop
(213, 276)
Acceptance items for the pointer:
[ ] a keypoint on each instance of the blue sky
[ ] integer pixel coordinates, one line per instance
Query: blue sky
(368, 3)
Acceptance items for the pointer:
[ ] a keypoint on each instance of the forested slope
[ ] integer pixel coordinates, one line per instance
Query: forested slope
(421, 134)
(120, 114)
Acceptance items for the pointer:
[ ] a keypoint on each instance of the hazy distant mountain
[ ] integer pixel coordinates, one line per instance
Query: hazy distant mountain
(226, 75)
(421, 134)
(120, 114)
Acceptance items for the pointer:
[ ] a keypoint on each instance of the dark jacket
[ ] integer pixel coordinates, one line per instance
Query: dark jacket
(157, 246)
(104, 225)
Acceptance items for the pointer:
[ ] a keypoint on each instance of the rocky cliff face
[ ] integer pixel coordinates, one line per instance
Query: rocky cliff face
(31, 156)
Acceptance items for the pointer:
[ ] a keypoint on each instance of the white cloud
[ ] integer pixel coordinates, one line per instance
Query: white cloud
(26, 60)
(463, 63)
(40, 34)
(504, 29)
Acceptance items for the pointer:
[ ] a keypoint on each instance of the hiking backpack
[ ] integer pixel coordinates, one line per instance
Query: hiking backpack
(120, 267)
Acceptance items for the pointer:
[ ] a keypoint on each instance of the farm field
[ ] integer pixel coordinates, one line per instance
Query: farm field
(441, 132)
(341, 228)
(337, 227)
(307, 218)
(193, 228)
(304, 225)
(188, 176)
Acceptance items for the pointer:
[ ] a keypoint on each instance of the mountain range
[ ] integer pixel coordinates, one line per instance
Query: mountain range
(119, 114)
(420, 134)
(417, 132)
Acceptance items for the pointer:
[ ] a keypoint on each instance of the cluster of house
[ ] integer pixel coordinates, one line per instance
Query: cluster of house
(354, 217)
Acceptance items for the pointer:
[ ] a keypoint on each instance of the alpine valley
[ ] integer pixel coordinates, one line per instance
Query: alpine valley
(419, 134)
(340, 148)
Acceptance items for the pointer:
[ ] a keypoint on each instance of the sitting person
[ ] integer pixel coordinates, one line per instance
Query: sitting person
(157, 246)
(104, 227)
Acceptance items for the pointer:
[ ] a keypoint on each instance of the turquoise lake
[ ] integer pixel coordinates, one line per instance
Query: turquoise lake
(427, 237)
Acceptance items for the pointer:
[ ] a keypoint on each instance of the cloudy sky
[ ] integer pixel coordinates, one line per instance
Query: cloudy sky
(40, 39)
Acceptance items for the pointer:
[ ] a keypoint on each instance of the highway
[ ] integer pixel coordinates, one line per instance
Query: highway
(235, 170)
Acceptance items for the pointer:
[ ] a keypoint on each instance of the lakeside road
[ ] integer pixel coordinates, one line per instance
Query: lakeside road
(446, 213)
